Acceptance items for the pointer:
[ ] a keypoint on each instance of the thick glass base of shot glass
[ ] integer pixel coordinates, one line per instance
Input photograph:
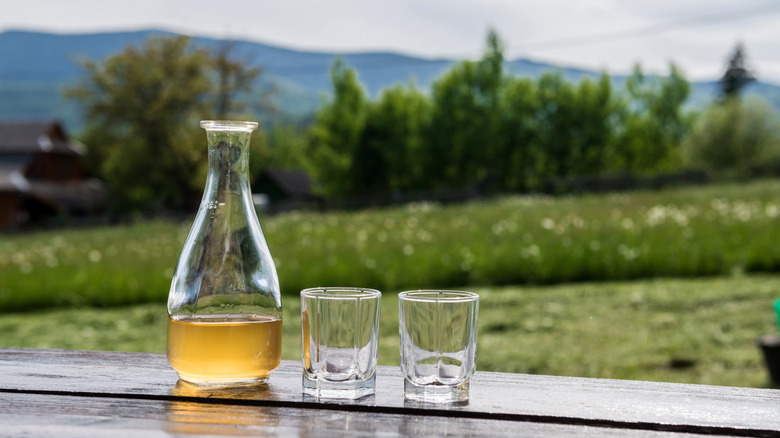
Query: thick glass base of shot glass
(222, 382)
(347, 389)
(434, 393)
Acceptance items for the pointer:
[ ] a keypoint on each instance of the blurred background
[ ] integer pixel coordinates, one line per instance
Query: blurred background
(603, 173)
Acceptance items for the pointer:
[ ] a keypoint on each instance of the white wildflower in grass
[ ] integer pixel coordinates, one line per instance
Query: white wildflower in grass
(531, 251)
(771, 211)
(18, 258)
(548, 223)
(628, 253)
(408, 249)
(656, 215)
(459, 221)
(504, 226)
(627, 223)
(467, 259)
(424, 236)
(94, 256)
(721, 206)
(412, 222)
(743, 211)
(660, 214)
(381, 236)
(422, 207)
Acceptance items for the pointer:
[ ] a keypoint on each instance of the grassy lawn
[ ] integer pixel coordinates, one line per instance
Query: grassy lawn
(693, 331)
(691, 232)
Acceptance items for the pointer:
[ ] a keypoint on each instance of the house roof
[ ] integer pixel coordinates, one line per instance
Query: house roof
(33, 136)
(19, 141)
(292, 182)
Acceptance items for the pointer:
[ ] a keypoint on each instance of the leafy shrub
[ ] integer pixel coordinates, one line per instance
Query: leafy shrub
(734, 136)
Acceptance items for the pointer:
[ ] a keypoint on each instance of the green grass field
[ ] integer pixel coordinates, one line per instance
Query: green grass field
(691, 232)
(692, 331)
(670, 285)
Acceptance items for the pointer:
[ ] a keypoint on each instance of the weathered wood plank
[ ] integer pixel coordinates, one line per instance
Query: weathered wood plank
(78, 416)
(517, 397)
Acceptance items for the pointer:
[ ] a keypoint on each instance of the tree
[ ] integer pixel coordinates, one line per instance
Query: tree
(232, 78)
(737, 75)
(731, 137)
(462, 136)
(142, 109)
(337, 130)
(653, 122)
(390, 148)
(518, 133)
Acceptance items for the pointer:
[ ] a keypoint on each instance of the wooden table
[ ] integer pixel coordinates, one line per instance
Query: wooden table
(86, 393)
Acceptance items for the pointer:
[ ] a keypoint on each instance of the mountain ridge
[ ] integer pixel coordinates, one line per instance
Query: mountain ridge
(35, 66)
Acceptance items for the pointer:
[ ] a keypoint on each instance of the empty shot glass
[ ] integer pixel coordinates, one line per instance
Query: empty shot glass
(339, 336)
(438, 331)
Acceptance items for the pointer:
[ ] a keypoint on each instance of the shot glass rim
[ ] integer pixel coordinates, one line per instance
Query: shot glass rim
(341, 293)
(435, 296)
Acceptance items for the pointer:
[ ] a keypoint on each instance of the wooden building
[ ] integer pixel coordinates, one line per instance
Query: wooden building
(42, 175)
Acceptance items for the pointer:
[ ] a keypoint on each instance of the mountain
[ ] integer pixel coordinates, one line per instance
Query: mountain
(35, 67)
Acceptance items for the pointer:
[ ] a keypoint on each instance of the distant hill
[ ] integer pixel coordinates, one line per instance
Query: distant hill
(35, 66)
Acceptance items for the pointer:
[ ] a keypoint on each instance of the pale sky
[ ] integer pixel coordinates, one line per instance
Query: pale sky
(611, 35)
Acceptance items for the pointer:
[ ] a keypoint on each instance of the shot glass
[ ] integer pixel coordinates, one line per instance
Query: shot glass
(438, 331)
(339, 336)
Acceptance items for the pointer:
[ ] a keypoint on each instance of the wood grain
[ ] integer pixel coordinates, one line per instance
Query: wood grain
(145, 381)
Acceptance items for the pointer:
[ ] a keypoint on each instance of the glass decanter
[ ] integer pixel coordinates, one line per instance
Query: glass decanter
(224, 305)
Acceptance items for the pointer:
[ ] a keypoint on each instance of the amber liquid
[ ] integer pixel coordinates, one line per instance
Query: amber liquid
(214, 349)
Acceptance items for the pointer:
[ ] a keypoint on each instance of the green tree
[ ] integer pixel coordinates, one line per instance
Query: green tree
(390, 148)
(287, 146)
(142, 109)
(654, 122)
(737, 75)
(233, 77)
(465, 119)
(554, 120)
(593, 132)
(337, 130)
(731, 137)
(575, 126)
(518, 134)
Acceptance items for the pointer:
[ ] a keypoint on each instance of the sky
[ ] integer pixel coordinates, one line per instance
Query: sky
(605, 35)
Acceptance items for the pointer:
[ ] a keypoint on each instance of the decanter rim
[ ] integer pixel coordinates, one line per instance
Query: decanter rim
(228, 125)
